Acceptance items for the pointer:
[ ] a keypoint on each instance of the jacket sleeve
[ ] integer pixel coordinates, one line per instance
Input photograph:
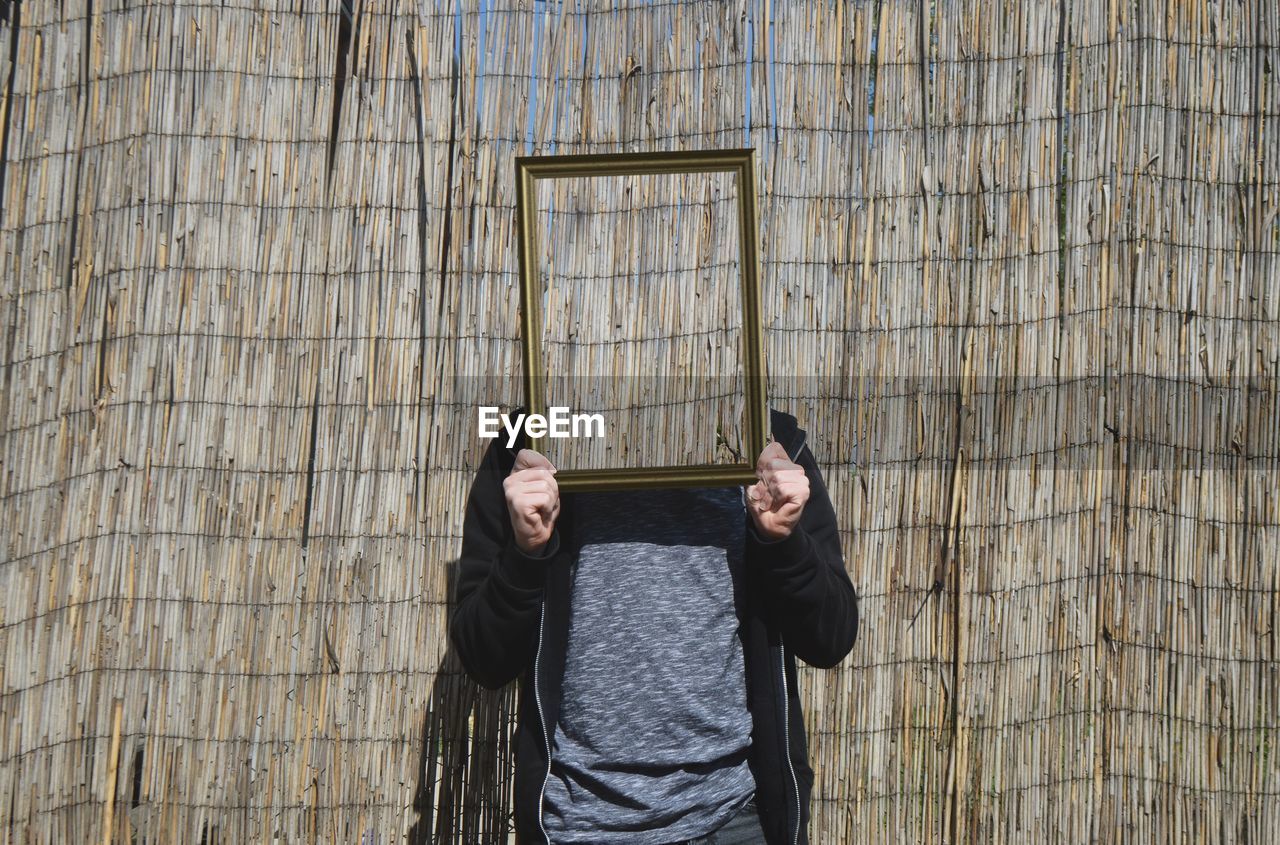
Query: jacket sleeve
(808, 595)
(498, 598)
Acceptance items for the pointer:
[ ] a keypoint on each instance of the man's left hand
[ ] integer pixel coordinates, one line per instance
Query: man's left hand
(778, 498)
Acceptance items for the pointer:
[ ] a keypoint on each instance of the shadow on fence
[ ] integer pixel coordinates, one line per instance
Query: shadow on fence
(466, 765)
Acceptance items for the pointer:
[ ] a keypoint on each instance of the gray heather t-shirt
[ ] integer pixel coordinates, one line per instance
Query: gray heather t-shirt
(651, 744)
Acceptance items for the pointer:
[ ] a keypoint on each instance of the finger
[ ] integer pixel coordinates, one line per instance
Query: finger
(778, 468)
(791, 484)
(759, 497)
(544, 517)
(534, 485)
(529, 459)
(537, 503)
(784, 475)
(788, 514)
(790, 493)
(547, 501)
(787, 478)
(784, 465)
(772, 452)
(525, 475)
(788, 475)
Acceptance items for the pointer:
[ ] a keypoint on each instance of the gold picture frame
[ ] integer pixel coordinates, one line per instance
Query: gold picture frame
(741, 162)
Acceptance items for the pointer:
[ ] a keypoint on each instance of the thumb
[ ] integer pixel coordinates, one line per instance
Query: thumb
(529, 459)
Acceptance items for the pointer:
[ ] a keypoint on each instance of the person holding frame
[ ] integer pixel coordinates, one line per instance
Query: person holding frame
(653, 619)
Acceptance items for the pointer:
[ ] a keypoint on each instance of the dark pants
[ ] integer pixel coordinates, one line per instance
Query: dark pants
(743, 829)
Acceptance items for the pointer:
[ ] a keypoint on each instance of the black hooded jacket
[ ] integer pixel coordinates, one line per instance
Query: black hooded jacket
(511, 620)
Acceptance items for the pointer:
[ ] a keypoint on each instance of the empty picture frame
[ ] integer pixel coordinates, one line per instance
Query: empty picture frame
(740, 163)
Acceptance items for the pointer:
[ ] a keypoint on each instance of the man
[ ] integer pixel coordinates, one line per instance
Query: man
(655, 633)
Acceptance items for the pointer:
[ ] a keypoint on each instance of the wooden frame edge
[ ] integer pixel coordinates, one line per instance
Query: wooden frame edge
(741, 162)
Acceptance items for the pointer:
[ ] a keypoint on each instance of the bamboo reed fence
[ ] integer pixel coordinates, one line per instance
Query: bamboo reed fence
(1020, 284)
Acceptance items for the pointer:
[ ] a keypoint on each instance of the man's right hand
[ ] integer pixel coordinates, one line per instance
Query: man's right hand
(533, 500)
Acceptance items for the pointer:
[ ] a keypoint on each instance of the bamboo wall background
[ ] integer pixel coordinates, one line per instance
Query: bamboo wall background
(1020, 285)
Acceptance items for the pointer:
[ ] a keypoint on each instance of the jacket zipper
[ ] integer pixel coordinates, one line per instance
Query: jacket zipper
(786, 717)
(786, 735)
(537, 697)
